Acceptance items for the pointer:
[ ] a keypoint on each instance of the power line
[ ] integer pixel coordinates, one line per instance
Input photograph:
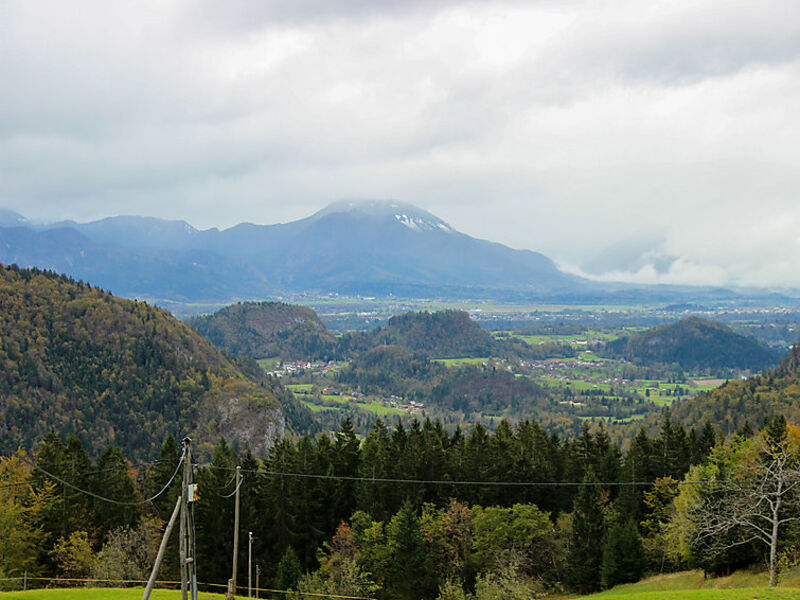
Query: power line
(111, 500)
(98, 496)
(233, 493)
(476, 483)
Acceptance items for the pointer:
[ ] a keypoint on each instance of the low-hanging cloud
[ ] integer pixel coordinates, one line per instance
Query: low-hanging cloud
(562, 127)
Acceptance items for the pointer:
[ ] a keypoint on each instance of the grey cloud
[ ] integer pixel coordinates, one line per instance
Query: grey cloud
(556, 126)
(685, 41)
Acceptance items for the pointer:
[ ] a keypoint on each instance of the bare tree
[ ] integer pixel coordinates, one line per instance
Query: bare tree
(757, 500)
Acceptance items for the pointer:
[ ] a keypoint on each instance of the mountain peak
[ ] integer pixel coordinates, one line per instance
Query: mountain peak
(404, 213)
(9, 218)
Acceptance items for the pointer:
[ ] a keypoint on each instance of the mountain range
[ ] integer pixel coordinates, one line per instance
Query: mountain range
(349, 248)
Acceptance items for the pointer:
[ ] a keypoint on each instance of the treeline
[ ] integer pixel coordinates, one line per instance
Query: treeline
(275, 329)
(423, 507)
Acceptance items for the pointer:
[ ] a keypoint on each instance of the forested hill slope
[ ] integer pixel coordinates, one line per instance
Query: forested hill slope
(775, 392)
(115, 371)
(695, 344)
(444, 334)
(266, 329)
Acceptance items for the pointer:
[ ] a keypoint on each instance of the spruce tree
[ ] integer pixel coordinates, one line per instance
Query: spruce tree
(405, 541)
(112, 479)
(623, 555)
(375, 464)
(586, 544)
(289, 570)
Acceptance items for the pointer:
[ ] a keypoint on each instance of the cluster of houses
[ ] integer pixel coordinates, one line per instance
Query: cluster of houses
(294, 367)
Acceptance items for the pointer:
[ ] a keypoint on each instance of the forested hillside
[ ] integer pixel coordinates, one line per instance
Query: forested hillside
(113, 371)
(696, 345)
(443, 334)
(749, 401)
(267, 329)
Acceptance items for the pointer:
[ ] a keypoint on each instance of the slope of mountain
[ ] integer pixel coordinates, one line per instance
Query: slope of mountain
(267, 329)
(349, 247)
(143, 273)
(116, 371)
(374, 247)
(695, 344)
(775, 392)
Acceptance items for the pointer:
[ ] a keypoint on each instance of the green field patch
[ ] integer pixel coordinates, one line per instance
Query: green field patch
(629, 419)
(579, 385)
(720, 594)
(574, 339)
(338, 398)
(319, 407)
(300, 387)
(457, 362)
(583, 357)
(98, 593)
(381, 409)
(692, 585)
(269, 364)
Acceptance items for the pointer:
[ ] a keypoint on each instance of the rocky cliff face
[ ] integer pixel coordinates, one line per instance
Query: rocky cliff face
(250, 420)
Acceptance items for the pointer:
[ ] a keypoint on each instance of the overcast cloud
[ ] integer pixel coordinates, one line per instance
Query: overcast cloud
(564, 127)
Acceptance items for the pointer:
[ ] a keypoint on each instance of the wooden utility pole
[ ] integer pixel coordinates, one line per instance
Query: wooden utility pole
(161, 549)
(188, 567)
(232, 590)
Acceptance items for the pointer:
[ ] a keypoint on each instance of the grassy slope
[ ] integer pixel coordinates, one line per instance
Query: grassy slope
(742, 585)
(133, 593)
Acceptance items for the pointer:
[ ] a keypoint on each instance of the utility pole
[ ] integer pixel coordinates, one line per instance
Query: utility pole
(232, 586)
(188, 566)
(161, 549)
(250, 564)
(258, 576)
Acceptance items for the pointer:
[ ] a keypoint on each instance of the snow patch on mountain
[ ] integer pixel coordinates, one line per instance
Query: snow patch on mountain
(419, 224)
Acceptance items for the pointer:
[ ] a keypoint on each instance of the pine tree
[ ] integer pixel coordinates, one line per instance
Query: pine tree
(159, 475)
(345, 463)
(586, 544)
(213, 514)
(279, 496)
(405, 541)
(289, 570)
(623, 555)
(375, 464)
(112, 479)
(309, 522)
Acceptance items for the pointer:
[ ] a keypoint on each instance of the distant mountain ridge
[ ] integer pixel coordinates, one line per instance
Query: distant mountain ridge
(365, 247)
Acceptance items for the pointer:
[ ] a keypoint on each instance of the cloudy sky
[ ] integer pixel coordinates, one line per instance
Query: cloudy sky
(659, 141)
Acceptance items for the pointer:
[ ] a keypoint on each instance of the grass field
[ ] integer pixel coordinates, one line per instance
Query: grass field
(455, 362)
(691, 585)
(82, 593)
(712, 594)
